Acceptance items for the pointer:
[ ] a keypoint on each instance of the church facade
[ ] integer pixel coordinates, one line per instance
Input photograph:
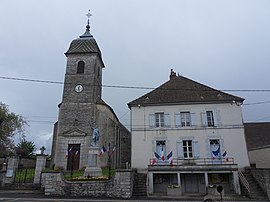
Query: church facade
(86, 124)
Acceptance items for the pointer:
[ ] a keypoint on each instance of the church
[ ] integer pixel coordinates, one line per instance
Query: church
(87, 127)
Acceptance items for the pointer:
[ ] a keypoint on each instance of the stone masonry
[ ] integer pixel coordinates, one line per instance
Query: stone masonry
(120, 186)
(263, 178)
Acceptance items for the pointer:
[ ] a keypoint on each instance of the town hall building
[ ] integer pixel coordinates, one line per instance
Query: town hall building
(192, 138)
(86, 124)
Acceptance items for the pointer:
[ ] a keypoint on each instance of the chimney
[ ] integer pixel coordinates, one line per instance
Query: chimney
(173, 74)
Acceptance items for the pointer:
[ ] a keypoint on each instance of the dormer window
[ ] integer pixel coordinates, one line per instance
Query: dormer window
(80, 67)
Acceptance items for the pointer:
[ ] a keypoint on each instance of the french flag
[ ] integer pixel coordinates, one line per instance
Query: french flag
(216, 153)
(155, 158)
(170, 158)
(162, 155)
(66, 153)
(225, 155)
(109, 149)
(102, 151)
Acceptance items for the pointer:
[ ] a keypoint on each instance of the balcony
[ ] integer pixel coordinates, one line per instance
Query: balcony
(196, 164)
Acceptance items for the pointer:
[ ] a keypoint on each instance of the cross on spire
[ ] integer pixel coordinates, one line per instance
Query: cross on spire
(89, 14)
(87, 32)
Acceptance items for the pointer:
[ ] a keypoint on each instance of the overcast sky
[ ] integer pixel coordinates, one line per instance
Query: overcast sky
(224, 44)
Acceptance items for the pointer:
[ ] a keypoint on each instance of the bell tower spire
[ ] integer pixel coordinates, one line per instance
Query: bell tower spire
(78, 111)
(87, 31)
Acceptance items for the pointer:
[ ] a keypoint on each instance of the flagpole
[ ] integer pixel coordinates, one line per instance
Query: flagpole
(72, 162)
(109, 162)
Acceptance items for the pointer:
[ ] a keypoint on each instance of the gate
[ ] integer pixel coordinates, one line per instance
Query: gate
(24, 175)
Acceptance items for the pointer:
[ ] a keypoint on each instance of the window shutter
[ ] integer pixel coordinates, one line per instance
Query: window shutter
(167, 120)
(204, 118)
(217, 118)
(193, 118)
(180, 150)
(177, 119)
(195, 149)
(152, 120)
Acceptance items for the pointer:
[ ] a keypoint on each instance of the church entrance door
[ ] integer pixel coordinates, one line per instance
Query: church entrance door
(73, 162)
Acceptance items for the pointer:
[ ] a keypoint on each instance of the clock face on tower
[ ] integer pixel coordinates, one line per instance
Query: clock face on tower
(78, 88)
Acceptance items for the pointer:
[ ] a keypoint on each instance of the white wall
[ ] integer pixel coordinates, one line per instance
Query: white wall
(230, 131)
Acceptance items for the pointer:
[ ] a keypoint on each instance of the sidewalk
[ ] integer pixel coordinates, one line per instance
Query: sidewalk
(39, 194)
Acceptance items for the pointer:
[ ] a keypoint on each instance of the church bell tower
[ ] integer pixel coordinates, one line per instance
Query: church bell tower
(77, 111)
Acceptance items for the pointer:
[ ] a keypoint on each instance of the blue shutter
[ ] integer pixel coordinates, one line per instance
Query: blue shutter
(180, 154)
(195, 149)
(204, 118)
(152, 121)
(193, 119)
(177, 119)
(167, 120)
(217, 118)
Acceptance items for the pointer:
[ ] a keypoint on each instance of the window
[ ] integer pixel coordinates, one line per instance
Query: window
(159, 118)
(161, 148)
(210, 118)
(80, 67)
(187, 149)
(215, 148)
(185, 118)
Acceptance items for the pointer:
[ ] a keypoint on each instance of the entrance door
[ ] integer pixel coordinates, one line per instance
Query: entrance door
(191, 183)
(73, 162)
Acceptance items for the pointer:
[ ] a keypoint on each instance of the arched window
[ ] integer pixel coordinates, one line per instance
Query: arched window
(80, 67)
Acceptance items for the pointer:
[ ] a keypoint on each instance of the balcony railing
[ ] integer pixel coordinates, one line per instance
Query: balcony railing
(192, 161)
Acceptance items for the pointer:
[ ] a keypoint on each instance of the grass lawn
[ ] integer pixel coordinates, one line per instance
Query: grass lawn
(25, 175)
(79, 173)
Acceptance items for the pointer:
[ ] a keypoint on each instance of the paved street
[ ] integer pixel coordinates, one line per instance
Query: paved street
(86, 200)
(34, 198)
(16, 195)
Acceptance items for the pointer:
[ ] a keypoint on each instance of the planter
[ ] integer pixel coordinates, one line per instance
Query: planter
(174, 191)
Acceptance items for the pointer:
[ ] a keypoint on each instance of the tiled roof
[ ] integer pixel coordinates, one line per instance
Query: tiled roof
(84, 45)
(257, 135)
(181, 90)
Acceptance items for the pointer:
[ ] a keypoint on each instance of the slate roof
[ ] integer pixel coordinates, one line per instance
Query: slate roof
(257, 135)
(181, 90)
(85, 44)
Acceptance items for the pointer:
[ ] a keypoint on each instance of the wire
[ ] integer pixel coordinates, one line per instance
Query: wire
(129, 87)
(257, 103)
(31, 80)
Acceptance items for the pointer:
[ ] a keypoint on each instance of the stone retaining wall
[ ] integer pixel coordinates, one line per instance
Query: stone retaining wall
(2, 177)
(120, 186)
(262, 176)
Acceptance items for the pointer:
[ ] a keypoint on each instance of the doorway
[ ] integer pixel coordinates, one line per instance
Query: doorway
(190, 183)
(73, 161)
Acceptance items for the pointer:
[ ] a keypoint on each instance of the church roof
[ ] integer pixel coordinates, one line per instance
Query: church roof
(85, 44)
(181, 90)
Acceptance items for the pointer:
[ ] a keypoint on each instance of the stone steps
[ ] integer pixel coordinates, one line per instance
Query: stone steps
(139, 187)
(256, 191)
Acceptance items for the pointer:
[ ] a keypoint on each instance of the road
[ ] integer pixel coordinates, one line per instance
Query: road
(20, 199)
